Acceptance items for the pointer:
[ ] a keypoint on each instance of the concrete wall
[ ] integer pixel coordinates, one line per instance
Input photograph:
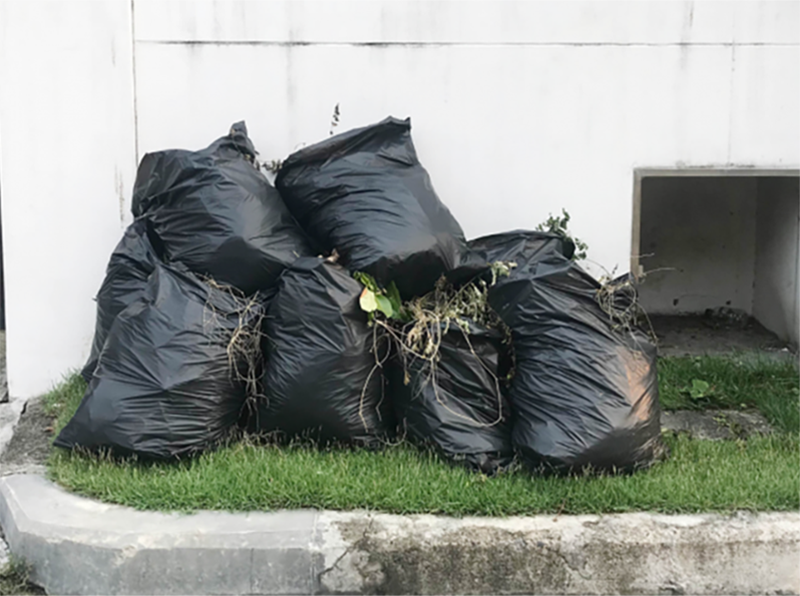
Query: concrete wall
(722, 241)
(519, 109)
(698, 243)
(67, 165)
(775, 300)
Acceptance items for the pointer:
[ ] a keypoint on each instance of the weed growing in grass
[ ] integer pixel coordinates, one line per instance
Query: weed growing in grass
(738, 382)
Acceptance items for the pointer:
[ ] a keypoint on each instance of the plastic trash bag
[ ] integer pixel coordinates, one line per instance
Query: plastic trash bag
(217, 214)
(585, 391)
(164, 387)
(458, 406)
(129, 267)
(321, 379)
(365, 194)
(507, 247)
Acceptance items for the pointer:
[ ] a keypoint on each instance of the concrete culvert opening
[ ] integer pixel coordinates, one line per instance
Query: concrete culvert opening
(718, 259)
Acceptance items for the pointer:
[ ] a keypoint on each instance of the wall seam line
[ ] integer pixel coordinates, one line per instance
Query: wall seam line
(463, 44)
(731, 107)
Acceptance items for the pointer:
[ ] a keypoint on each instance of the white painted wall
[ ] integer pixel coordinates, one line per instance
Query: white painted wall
(67, 164)
(519, 108)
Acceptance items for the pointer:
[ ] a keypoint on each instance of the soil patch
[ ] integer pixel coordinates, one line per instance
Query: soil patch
(716, 424)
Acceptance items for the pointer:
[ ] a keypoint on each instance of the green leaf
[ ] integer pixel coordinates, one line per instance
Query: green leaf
(365, 279)
(368, 301)
(384, 305)
(393, 294)
(699, 389)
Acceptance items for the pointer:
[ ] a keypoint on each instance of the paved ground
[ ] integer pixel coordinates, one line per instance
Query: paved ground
(716, 424)
(719, 332)
(10, 409)
(13, 585)
(29, 446)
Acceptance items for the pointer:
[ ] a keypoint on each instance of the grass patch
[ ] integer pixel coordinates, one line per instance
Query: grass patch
(771, 386)
(699, 476)
(761, 473)
(15, 579)
(61, 402)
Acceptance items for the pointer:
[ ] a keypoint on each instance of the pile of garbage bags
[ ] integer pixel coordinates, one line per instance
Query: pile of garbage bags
(234, 305)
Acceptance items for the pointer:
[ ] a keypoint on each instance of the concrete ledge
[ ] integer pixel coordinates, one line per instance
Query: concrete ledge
(80, 546)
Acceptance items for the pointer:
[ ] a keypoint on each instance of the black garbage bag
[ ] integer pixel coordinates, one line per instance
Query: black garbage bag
(164, 387)
(457, 406)
(526, 245)
(365, 194)
(321, 379)
(585, 390)
(217, 214)
(131, 263)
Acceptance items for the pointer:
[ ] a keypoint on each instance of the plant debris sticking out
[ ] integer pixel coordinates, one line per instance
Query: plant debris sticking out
(245, 356)
(618, 299)
(416, 327)
(176, 400)
(558, 225)
(444, 381)
(434, 313)
(375, 299)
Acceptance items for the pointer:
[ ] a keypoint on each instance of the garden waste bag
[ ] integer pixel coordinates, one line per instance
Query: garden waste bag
(321, 378)
(217, 214)
(585, 390)
(507, 247)
(166, 383)
(455, 404)
(129, 267)
(365, 194)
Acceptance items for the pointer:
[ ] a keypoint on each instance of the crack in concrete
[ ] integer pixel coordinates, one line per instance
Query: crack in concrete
(356, 544)
(570, 566)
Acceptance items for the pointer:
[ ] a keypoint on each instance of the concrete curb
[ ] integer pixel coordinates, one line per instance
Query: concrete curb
(80, 546)
(9, 416)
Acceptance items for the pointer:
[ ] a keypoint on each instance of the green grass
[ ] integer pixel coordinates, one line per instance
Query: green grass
(770, 386)
(14, 579)
(761, 473)
(62, 401)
